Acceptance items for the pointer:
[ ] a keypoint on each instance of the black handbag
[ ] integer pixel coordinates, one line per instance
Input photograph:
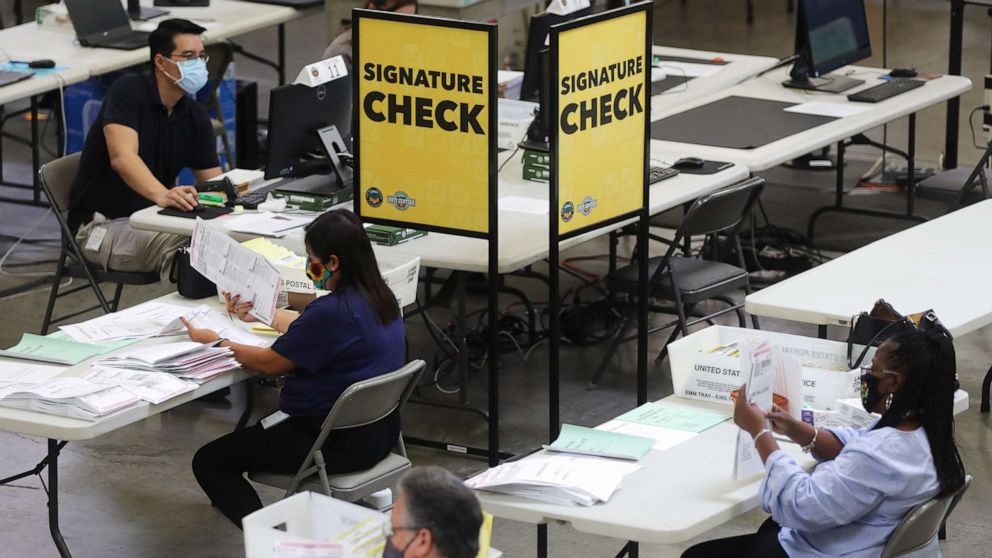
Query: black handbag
(189, 282)
(873, 328)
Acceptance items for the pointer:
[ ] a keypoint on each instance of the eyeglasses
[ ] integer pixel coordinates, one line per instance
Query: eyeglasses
(388, 530)
(868, 369)
(192, 56)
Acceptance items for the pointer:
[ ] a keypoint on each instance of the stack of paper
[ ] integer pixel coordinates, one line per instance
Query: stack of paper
(266, 223)
(509, 83)
(153, 387)
(141, 321)
(225, 327)
(25, 373)
(235, 269)
(59, 348)
(558, 479)
(600, 443)
(186, 359)
(68, 397)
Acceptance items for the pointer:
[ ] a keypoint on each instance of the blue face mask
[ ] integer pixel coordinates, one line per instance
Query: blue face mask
(192, 74)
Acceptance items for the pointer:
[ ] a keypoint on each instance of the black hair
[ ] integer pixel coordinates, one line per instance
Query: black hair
(163, 39)
(340, 233)
(926, 361)
(440, 502)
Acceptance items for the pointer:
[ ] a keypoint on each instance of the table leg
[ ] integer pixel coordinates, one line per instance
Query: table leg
(249, 406)
(35, 150)
(954, 68)
(821, 331)
(281, 60)
(542, 540)
(53, 497)
(986, 384)
(630, 550)
(911, 159)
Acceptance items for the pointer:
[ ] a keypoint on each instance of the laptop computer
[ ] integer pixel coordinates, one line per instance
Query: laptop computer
(8, 77)
(104, 23)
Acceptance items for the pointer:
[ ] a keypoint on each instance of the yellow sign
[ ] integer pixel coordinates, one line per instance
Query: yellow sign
(424, 121)
(602, 110)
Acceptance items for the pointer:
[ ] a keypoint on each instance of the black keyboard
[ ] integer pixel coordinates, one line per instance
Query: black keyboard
(657, 174)
(888, 89)
(251, 199)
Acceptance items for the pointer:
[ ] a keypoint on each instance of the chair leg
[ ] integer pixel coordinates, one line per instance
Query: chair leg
(227, 150)
(614, 345)
(117, 297)
(664, 349)
(47, 321)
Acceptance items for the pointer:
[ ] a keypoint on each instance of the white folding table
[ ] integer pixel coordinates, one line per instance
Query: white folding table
(61, 430)
(679, 493)
(738, 68)
(769, 87)
(940, 265)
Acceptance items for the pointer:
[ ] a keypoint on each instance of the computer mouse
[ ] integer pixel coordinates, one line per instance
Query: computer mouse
(903, 72)
(199, 208)
(42, 63)
(689, 163)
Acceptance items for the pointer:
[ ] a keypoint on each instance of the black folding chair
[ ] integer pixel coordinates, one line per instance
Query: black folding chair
(684, 280)
(56, 178)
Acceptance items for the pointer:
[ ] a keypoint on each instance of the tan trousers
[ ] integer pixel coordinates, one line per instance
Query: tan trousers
(125, 248)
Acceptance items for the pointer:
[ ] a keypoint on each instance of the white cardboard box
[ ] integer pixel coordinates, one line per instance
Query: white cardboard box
(698, 374)
(309, 517)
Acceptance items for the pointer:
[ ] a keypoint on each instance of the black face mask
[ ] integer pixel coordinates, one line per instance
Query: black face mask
(869, 391)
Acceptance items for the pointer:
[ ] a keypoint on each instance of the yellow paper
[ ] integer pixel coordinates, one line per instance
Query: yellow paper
(485, 535)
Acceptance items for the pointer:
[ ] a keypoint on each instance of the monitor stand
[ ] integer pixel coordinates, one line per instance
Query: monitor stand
(141, 13)
(829, 84)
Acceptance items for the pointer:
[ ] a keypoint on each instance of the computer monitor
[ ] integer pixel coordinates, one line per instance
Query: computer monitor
(537, 37)
(830, 34)
(296, 114)
(536, 85)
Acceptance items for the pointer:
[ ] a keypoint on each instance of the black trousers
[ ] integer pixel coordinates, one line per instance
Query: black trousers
(763, 544)
(220, 466)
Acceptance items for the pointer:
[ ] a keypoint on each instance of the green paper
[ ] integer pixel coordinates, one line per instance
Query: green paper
(104, 347)
(46, 349)
(588, 441)
(670, 416)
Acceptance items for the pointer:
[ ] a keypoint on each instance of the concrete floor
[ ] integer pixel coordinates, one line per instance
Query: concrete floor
(131, 493)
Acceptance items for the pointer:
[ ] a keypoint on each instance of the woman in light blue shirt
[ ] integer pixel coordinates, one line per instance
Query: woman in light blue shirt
(867, 479)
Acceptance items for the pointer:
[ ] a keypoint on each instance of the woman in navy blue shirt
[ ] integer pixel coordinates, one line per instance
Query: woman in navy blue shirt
(352, 334)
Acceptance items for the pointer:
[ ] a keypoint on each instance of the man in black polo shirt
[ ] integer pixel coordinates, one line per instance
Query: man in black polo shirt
(147, 130)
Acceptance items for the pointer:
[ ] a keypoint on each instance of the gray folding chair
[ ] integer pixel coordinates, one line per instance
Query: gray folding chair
(56, 178)
(362, 403)
(688, 281)
(921, 526)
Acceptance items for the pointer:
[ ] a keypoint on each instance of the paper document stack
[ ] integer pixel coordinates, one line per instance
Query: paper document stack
(509, 83)
(141, 321)
(558, 479)
(186, 359)
(153, 387)
(225, 327)
(600, 443)
(68, 397)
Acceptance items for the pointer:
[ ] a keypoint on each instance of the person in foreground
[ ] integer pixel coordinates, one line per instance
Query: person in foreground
(148, 128)
(352, 334)
(867, 479)
(435, 516)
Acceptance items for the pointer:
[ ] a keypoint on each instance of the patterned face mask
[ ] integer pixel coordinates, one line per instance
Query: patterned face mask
(319, 274)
